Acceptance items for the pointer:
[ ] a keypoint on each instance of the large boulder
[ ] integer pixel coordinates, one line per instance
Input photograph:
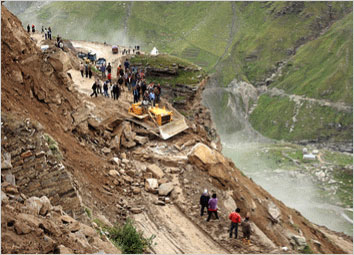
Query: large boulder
(34, 204)
(60, 61)
(273, 211)
(201, 156)
(165, 189)
(300, 241)
(46, 206)
(229, 204)
(210, 160)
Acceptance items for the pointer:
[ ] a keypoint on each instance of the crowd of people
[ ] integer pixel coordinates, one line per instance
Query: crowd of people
(211, 204)
(129, 78)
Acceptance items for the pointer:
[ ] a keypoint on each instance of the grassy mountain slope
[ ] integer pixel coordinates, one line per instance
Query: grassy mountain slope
(326, 74)
(243, 40)
(269, 32)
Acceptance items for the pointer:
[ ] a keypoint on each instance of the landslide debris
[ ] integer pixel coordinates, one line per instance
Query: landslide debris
(115, 168)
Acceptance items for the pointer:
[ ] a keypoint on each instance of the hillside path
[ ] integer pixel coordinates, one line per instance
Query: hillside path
(175, 233)
(299, 98)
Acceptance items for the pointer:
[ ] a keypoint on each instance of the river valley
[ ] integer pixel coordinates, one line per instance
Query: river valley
(297, 185)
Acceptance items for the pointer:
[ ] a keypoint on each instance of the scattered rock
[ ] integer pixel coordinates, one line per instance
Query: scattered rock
(4, 198)
(151, 184)
(64, 250)
(128, 179)
(114, 161)
(136, 190)
(26, 154)
(106, 150)
(163, 180)
(156, 171)
(141, 139)
(34, 204)
(10, 178)
(46, 206)
(113, 173)
(40, 154)
(6, 162)
(136, 210)
(300, 241)
(273, 212)
(21, 228)
(165, 189)
(11, 190)
(66, 219)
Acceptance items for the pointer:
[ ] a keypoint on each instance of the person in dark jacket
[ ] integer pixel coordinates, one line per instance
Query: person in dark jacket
(213, 207)
(109, 68)
(204, 199)
(28, 28)
(90, 71)
(105, 88)
(235, 220)
(246, 230)
(126, 64)
(86, 70)
(115, 91)
(94, 88)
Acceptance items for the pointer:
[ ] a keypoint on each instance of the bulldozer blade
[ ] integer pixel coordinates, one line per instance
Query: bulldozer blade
(173, 128)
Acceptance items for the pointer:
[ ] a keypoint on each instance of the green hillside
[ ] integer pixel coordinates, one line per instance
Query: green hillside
(246, 41)
(321, 69)
(328, 72)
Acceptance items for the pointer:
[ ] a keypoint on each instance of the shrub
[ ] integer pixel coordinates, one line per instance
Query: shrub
(53, 146)
(307, 250)
(129, 239)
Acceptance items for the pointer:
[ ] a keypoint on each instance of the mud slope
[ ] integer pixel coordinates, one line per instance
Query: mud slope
(120, 169)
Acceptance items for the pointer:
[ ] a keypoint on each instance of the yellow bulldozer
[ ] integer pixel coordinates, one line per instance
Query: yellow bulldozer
(163, 119)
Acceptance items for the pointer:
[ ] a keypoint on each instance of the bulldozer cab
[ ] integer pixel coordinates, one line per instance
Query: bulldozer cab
(161, 115)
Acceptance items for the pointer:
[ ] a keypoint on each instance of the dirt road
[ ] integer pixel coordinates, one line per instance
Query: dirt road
(174, 232)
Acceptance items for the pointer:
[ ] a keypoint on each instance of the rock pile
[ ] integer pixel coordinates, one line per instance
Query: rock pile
(33, 225)
(32, 160)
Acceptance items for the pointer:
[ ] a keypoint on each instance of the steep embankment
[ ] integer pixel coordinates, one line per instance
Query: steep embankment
(120, 169)
(256, 42)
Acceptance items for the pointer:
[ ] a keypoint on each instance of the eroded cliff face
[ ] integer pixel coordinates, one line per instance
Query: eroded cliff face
(119, 169)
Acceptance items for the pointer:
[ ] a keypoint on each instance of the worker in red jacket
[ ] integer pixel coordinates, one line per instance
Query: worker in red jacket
(235, 220)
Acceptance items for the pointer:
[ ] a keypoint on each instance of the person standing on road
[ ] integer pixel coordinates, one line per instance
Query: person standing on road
(105, 88)
(94, 88)
(103, 70)
(109, 68)
(235, 220)
(136, 94)
(33, 29)
(203, 201)
(49, 33)
(120, 81)
(82, 69)
(45, 33)
(213, 207)
(126, 64)
(99, 87)
(28, 28)
(115, 92)
(86, 70)
(90, 71)
(109, 77)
